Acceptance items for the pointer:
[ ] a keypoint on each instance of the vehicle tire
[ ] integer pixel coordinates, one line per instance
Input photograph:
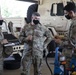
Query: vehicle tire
(11, 65)
(51, 48)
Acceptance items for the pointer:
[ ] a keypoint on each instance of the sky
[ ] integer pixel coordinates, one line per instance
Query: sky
(14, 8)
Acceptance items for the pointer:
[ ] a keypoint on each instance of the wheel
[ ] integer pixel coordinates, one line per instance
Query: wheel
(11, 65)
(12, 62)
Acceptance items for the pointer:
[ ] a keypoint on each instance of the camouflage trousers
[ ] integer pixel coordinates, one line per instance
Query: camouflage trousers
(1, 66)
(26, 62)
(1, 60)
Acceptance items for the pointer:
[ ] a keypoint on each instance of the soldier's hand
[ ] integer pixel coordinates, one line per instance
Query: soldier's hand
(4, 41)
(29, 37)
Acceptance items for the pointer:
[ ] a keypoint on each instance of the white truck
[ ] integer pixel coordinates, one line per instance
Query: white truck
(52, 14)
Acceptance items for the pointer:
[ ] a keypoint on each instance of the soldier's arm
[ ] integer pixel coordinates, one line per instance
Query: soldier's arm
(1, 37)
(49, 37)
(22, 36)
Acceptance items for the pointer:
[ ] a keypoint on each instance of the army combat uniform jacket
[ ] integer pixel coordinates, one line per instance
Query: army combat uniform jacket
(41, 37)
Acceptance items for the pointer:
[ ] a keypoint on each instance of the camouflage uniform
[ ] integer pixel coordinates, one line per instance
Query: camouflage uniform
(33, 50)
(1, 52)
(69, 51)
(72, 31)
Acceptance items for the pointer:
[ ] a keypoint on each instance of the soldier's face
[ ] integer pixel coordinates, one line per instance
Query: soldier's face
(69, 15)
(35, 19)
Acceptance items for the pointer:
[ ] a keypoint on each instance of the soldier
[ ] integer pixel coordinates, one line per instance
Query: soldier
(35, 37)
(2, 41)
(70, 13)
(1, 50)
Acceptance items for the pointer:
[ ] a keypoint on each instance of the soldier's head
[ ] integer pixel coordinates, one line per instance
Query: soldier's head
(1, 20)
(70, 10)
(35, 18)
